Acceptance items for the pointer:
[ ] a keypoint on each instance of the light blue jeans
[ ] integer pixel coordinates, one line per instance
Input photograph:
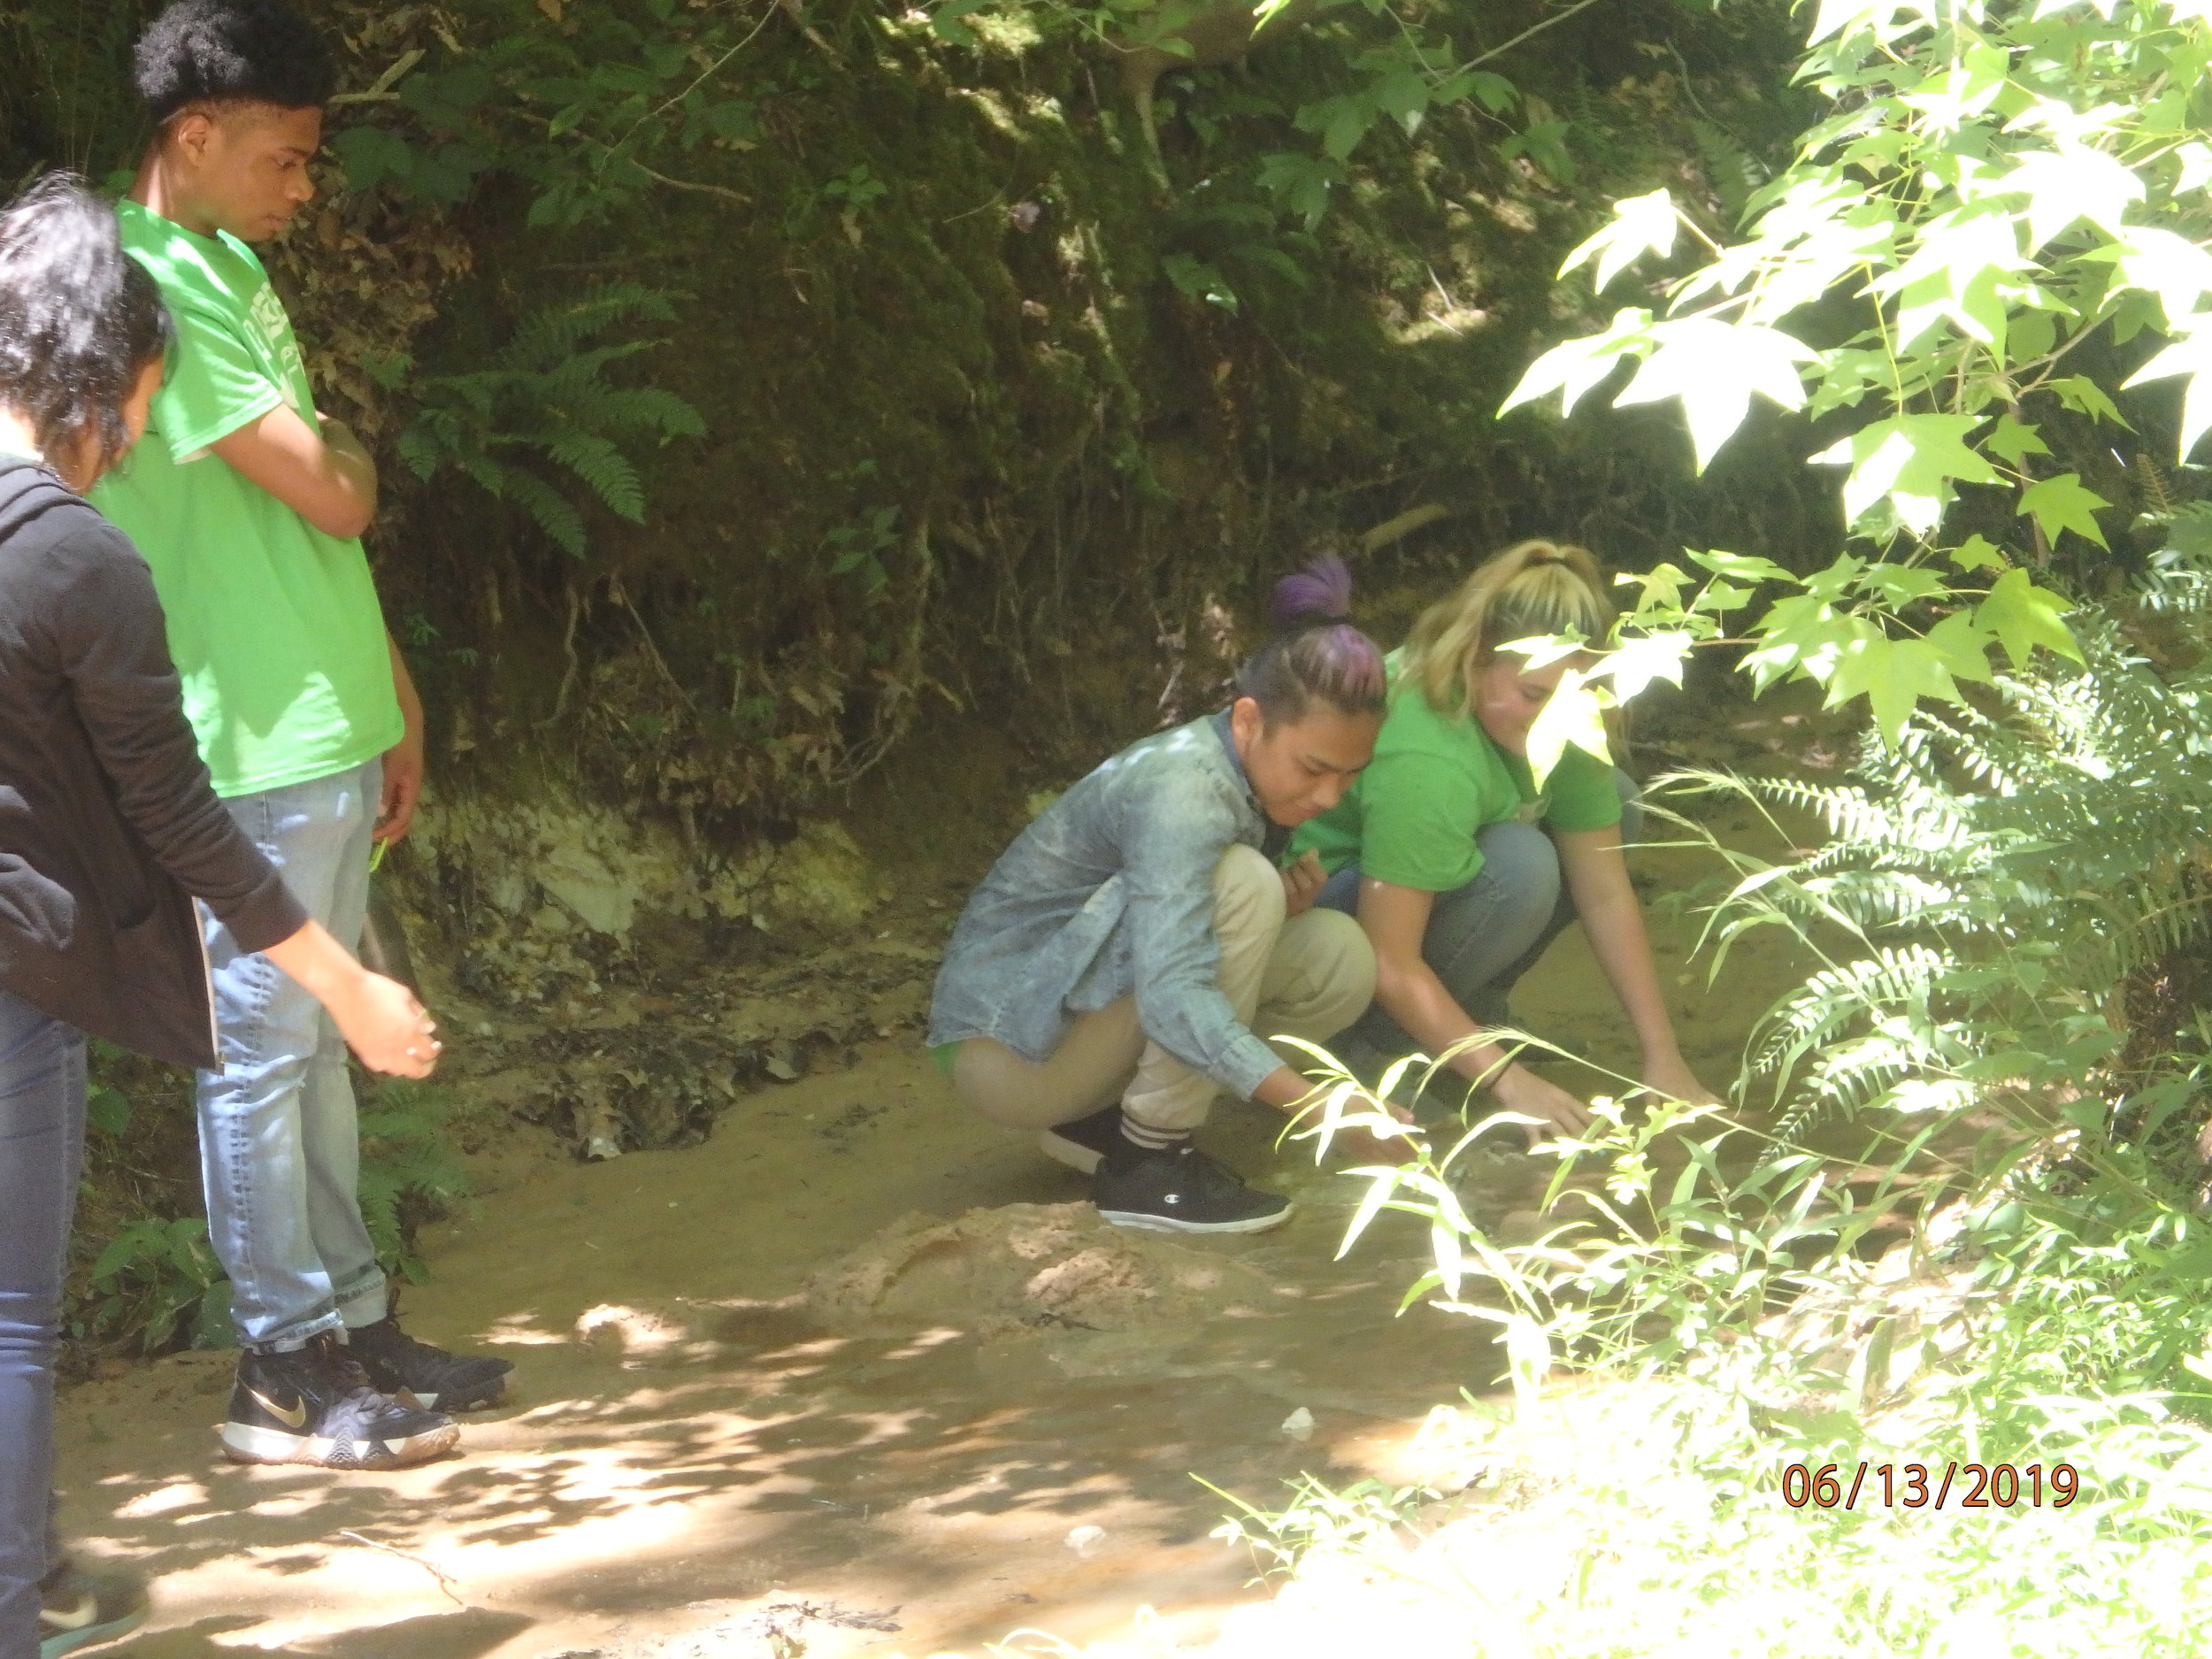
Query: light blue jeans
(41, 1147)
(1483, 937)
(279, 1145)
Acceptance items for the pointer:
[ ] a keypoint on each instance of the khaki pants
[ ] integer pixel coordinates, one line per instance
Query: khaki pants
(1305, 976)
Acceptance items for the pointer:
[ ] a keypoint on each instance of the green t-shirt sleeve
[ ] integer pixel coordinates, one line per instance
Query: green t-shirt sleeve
(1583, 793)
(215, 384)
(1418, 828)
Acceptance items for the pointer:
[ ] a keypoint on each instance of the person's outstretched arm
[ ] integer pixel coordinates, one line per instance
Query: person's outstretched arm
(379, 1017)
(1396, 921)
(1613, 920)
(111, 646)
(319, 470)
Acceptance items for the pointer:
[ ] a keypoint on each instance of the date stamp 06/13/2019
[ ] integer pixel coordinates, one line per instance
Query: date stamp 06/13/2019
(1917, 1486)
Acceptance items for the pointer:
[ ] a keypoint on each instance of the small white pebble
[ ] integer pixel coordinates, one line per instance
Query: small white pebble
(1299, 1425)
(1083, 1540)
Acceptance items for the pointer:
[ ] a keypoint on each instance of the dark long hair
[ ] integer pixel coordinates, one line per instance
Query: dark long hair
(79, 318)
(1316, 656)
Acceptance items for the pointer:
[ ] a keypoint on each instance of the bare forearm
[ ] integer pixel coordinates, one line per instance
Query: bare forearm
(322, 967)
(318, 468)
(403, 685)
(379, 1017)
(1614, 923)
(1413, 995)
(1282, 1088)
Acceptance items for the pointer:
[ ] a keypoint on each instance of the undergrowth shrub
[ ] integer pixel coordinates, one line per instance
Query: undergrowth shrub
(409, 1170)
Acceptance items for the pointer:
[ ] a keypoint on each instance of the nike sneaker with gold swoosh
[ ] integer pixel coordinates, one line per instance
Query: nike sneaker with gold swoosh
(78, 1609)
(317, 1406)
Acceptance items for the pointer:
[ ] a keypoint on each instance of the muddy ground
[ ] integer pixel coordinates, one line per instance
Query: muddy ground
(767, 1401)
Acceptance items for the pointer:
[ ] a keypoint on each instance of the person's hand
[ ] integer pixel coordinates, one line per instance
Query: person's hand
(1363, 1144)
(1303, 882)
(403, 785)
(1673, 1079)
(384, 1024)
(1367, 1146)
(339, 436)
(1520, 1090)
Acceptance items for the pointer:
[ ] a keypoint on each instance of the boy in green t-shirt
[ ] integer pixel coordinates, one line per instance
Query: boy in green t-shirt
(247, 506)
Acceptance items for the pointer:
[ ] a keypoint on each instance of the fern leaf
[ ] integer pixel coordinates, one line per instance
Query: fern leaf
(552, 512)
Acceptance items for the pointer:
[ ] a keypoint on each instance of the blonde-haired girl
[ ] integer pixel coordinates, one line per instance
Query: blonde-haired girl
(1460, 871)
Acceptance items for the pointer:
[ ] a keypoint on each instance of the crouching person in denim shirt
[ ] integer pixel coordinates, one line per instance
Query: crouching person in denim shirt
(1125, 959)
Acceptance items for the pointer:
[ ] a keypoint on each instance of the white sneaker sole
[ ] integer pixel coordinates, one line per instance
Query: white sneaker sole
(1145, 1221)
(244, 1443)
(429, 1402)
(1082, 1159)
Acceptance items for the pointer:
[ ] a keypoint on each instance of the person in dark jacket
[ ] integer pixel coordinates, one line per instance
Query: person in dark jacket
(109, 830)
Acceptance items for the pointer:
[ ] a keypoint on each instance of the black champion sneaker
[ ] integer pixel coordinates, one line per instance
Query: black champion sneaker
(82, 1610)
(433, 1379)
(1082, 1144)
(316, 1406)
(1180, 1189)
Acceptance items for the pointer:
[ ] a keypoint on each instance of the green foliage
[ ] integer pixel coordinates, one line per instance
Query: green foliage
(857, 547)
(1709, 1282)
(62, 79)
(409, 1169)
(1952, 271)
(588, 109)
(157, 1279)
(1400, 65)
(1318, 1517)
(544, 396)
(107, 1110)
(1973, 1234)
(1988, 886)
(1891, 632)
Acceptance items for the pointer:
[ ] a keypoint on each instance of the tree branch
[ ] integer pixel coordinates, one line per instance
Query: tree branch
(1536, 28)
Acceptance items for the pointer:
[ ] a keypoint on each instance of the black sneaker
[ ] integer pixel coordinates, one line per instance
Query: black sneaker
(1080, 1145)
(316, 1406)
(433, 1379)
(1180, 1189)
(82, 1610)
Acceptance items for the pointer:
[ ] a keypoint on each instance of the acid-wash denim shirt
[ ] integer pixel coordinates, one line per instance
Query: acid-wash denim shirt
(1110, 892)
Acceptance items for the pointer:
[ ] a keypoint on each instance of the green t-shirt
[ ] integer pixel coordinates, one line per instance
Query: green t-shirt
(274, 626)
(1436, 782)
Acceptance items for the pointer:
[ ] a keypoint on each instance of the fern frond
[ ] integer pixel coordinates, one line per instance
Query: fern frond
(604, 471)
(552, 512)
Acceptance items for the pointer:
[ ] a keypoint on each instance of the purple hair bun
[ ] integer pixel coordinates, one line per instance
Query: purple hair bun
(1317, 653)
(1322, 592)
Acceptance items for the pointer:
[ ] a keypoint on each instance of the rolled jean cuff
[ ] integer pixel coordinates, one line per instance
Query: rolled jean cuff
(293, 1340)
(366, 1305)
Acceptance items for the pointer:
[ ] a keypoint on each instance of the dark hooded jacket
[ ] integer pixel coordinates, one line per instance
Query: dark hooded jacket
(109, 827)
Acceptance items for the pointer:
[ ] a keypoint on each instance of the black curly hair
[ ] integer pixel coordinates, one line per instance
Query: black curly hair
(232, 51)
(79, 318)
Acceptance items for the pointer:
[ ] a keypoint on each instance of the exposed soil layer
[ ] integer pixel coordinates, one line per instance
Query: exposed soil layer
(860, 1373)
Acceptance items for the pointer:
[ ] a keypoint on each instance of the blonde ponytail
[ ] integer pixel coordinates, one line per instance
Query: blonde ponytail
(1533, 588)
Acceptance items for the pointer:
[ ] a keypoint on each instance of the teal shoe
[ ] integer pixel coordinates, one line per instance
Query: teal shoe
(80, 1609)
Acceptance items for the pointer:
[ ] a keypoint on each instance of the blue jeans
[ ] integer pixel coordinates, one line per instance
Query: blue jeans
(1483, 937)
(41, 1147)
(279, 1145)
